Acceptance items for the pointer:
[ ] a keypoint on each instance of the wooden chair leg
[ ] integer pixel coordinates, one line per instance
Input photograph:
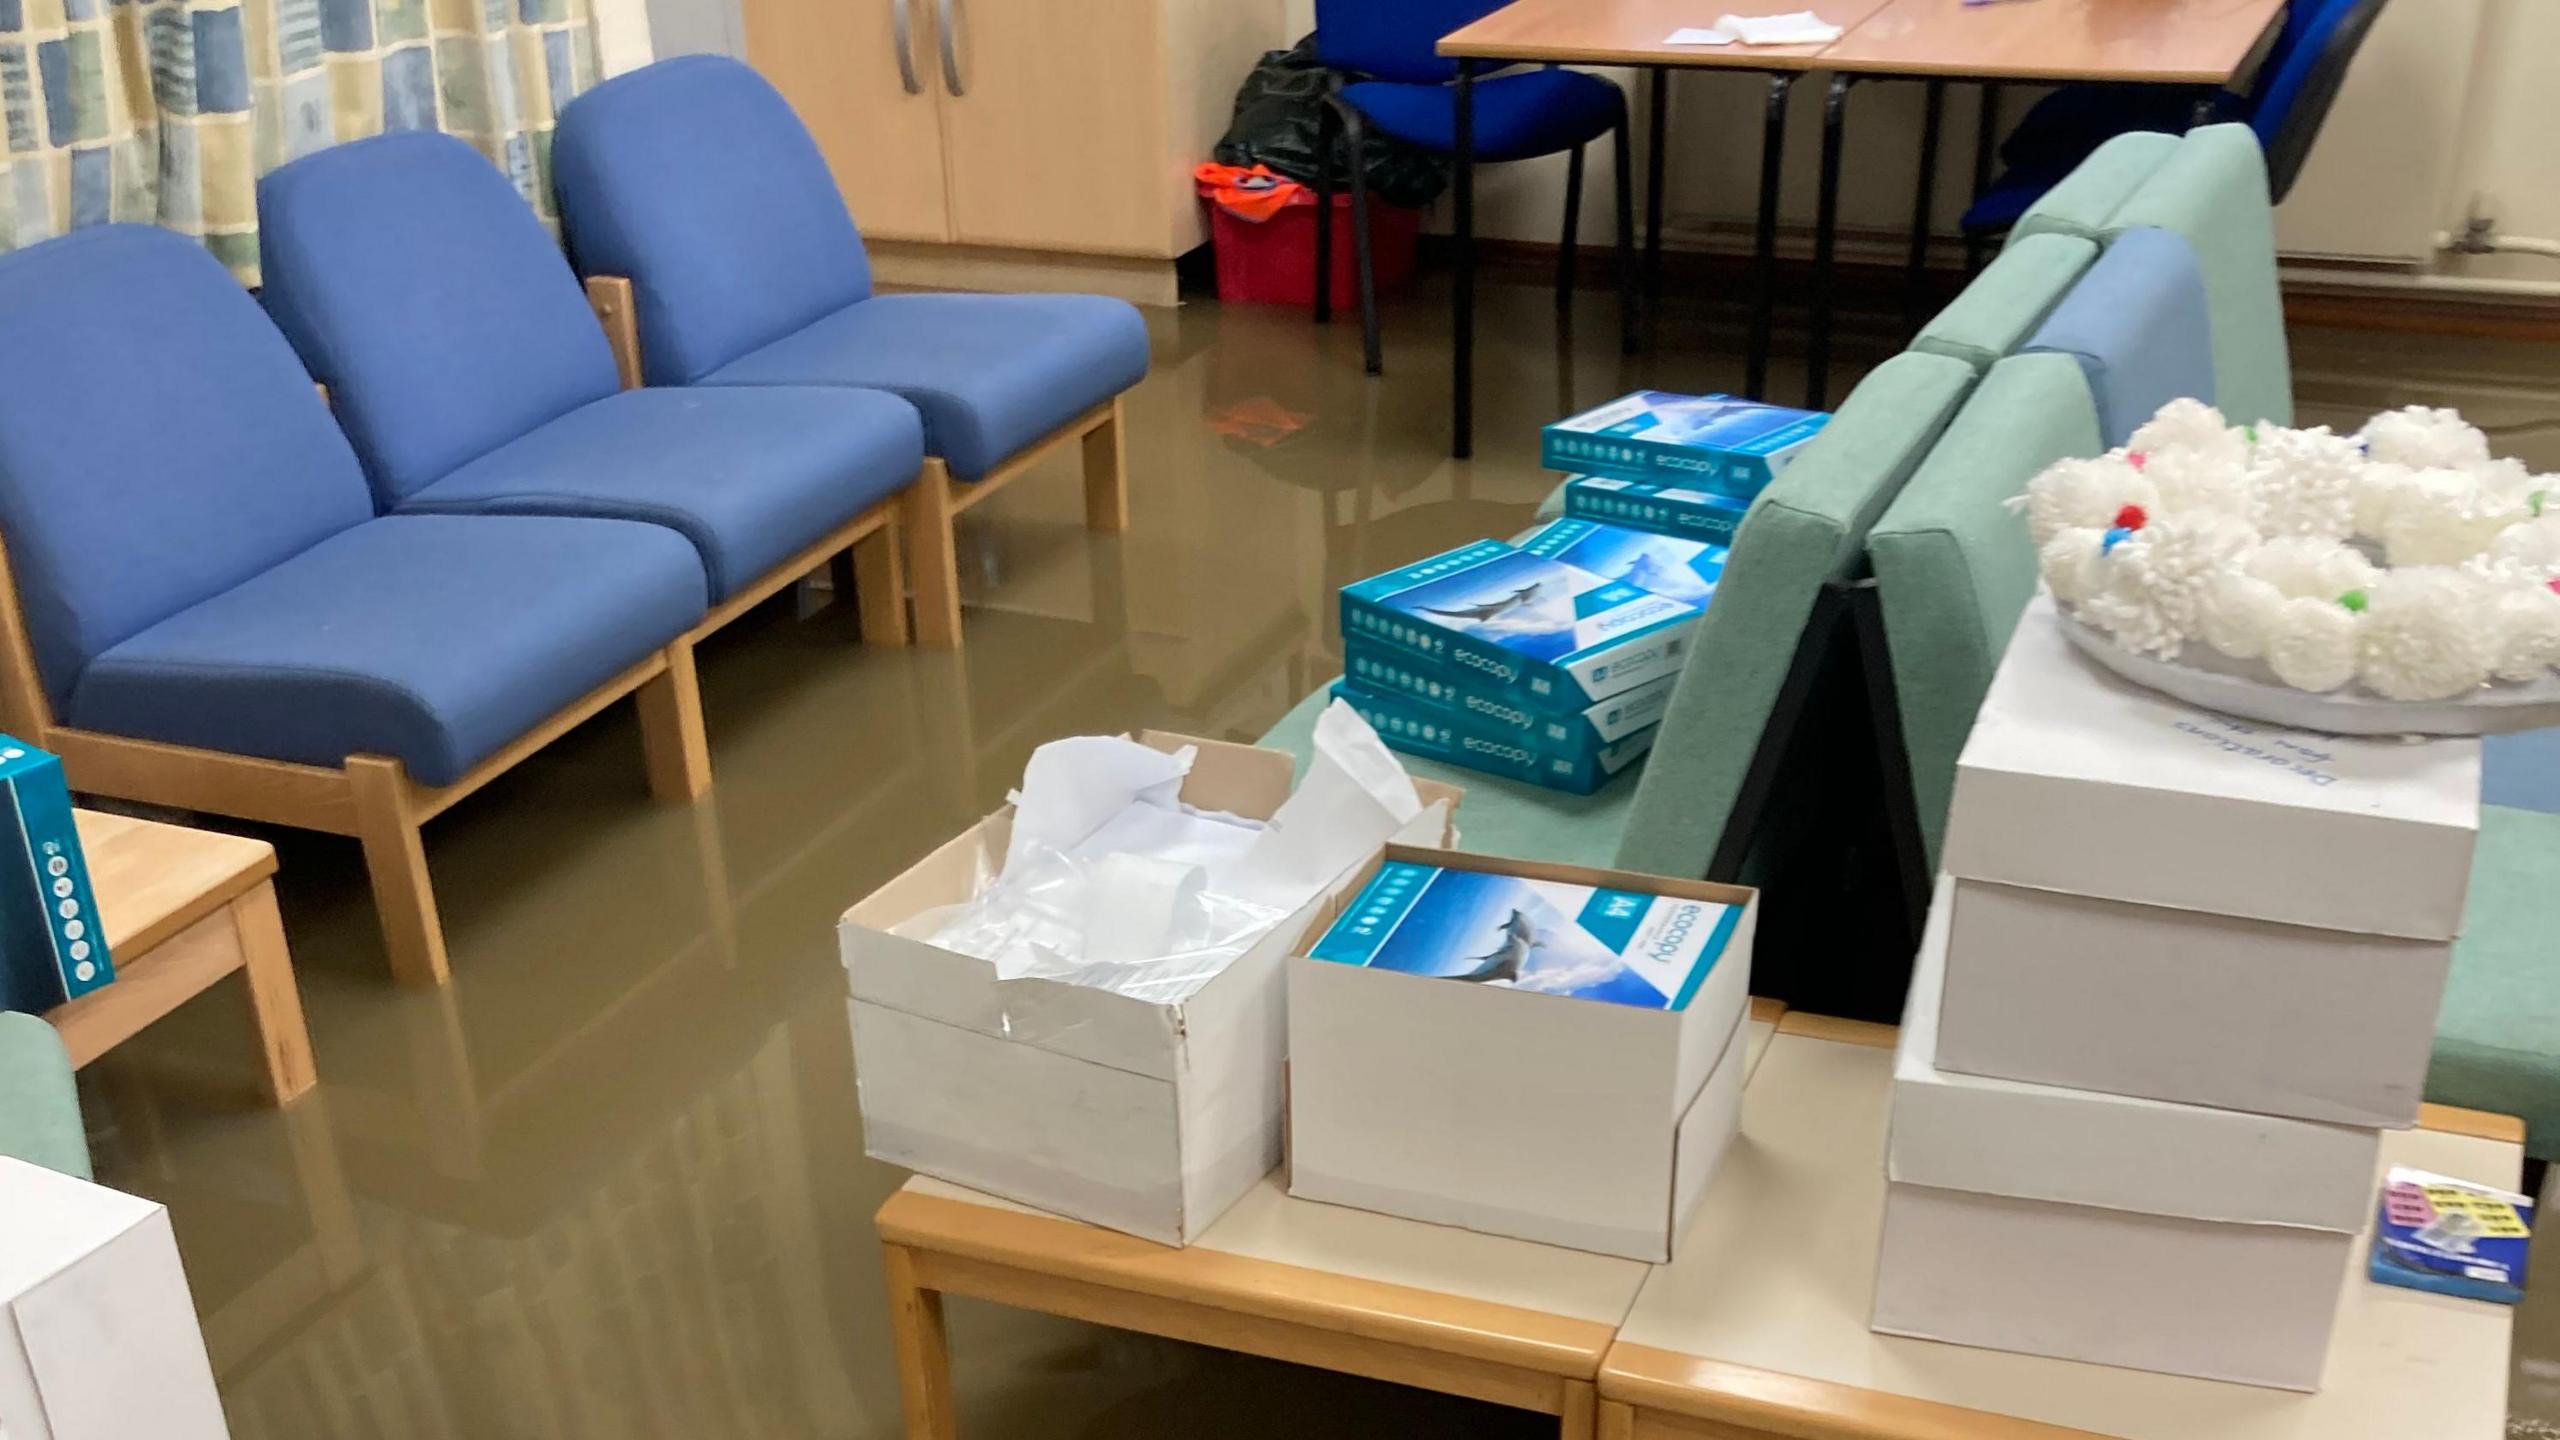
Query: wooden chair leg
(880, 581)
(933, 557)
(1106, 473)
(395, 859)
(923, 1346)
(275, 1001)
(671, 731)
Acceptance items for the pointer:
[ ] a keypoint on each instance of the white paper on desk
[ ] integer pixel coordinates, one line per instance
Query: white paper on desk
(1797, 27)
(1693, 35)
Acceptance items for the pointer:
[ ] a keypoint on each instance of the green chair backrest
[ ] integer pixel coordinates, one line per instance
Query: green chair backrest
(2008, 300)
(2085, 200)
(1809, 527)
(39, 1107)
(2213, 192)
(1954, 567)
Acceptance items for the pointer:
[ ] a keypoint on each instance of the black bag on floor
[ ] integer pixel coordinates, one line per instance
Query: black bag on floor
(1279, 111)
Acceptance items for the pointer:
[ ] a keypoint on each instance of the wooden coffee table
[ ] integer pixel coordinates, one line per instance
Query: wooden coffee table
(181, 909)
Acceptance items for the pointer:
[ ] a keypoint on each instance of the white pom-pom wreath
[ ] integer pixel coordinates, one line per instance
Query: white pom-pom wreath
(2525, 619)
(2303, 482)
(2239, 612)
(2312, 645)
(2192, 428)
(2425, 439)
(2156, 580)
(2074, 564)
(2302, 567)
(2189, 483)
(2424, 635)
(2084, 493)
(2533, 545)
(2444, 517)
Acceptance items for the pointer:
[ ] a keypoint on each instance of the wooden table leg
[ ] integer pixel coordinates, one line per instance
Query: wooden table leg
(1581, 1417)
(275, 1001)
(924, 1348)
(1616, 1421)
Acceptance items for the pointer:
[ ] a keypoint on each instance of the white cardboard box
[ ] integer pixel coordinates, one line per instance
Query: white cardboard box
(98, 1337)
(2108, 1228)
(1540, 1117)
(1146, 1118)
(2078, 782)
(2175, 1005)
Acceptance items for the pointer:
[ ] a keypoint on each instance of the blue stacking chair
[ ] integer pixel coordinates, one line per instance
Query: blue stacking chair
(2285, 104)
(1406, 92)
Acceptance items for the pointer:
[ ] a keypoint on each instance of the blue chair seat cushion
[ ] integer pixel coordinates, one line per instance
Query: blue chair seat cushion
(2065, 127)
(751, 477)
(2009, 197)
(990, 373)
(1536, 112)
(434, 639)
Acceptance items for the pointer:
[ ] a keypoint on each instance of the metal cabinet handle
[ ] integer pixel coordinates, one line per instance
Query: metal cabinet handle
(949, 34)
(902, 23)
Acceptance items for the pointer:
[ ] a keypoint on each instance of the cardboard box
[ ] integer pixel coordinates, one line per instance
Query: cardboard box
(1576, 763)
(2174, 1005)
(1674, 510)
(1547, 1117)
(98, 1337)
(2077, 782)
(1491, 619)
(2106, 1228)
(51, 947)
(1145, 1118)
(1728, 445)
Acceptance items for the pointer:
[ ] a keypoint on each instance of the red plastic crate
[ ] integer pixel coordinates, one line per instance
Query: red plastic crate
(1274, 262)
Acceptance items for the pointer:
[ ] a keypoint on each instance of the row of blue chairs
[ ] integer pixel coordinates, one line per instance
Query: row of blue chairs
(345, 606)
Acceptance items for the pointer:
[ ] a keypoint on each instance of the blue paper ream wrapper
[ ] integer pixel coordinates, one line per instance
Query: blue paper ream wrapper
(1713, 442)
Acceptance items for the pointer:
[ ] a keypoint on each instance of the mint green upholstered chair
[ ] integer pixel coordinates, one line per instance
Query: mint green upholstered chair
(2498, 1036)
(2086, 200)
(1805, 530)
(2008, 300)
(39, 1108)
(2212, 190)
(1954, 566)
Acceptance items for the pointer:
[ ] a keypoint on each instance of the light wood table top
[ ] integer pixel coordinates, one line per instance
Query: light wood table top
(1746, 1333)
(2201, 42)
(154, 880)
(1632, 32)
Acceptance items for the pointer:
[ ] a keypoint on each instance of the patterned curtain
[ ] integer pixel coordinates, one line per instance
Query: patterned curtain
(167, 111)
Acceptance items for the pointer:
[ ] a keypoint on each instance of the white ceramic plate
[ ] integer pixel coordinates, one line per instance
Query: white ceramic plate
(2206, 677)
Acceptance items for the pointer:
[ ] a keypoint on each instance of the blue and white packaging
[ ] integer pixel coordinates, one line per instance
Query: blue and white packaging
(1678, 510)
(51, 948)
(1683, 569)
(1385, 674)
(1492, 619)
(2452, 1237)
(1559, 753)
(1545, 1052)
(1716, 442)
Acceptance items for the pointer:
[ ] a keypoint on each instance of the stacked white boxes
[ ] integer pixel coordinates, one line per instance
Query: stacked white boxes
(2180, 973)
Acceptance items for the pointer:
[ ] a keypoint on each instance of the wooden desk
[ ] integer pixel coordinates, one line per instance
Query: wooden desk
(1740, 1338)
(2147, 42)
(1425, 1305)
(181, 909)
(1632, 33)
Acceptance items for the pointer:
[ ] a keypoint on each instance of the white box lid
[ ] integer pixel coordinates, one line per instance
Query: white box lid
(2079, 782)
(2115, 1152)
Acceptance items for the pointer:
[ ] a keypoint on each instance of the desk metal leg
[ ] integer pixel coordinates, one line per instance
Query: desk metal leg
(1567, 248)
(1826, 240)
(1659, 103)
(1923, 203)
(1986, 149)
(1626, 253)
(1773, 148)
(1462, 331)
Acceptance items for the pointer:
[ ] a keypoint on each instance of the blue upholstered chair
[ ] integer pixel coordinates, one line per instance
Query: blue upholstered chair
(705, 218)
(2138, 325)
(465, 365)
(2286, 103)
(1405, 91)
(39, 1108)
(200, 608)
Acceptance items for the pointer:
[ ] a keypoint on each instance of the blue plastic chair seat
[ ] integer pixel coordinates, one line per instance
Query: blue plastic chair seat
(433, 639)
(2062, 129)
(1536, 112)
(989, 373)
(749, 476)
(2010, 197)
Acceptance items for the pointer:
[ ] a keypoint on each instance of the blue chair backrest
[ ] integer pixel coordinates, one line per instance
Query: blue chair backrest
(2140, 326)
(159, 442)
(1394, 39)
(694, 178)
(2301, 78)
(423, 292)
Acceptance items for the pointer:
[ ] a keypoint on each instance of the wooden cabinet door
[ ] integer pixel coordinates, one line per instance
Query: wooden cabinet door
(1057, 138)
(838, 63)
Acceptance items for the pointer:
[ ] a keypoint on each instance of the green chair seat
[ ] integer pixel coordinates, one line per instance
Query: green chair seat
(2008, 300)
(2498, 1036)
(2085, 200)
(1954, 566)
(1499, 816)
(39, 1107)
(2213, 192)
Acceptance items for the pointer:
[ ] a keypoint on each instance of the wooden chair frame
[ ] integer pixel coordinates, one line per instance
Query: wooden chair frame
(935, 498)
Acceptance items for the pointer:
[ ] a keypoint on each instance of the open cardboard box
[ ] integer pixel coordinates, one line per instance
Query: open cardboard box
(1147, 1118)
(1566, 1121)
